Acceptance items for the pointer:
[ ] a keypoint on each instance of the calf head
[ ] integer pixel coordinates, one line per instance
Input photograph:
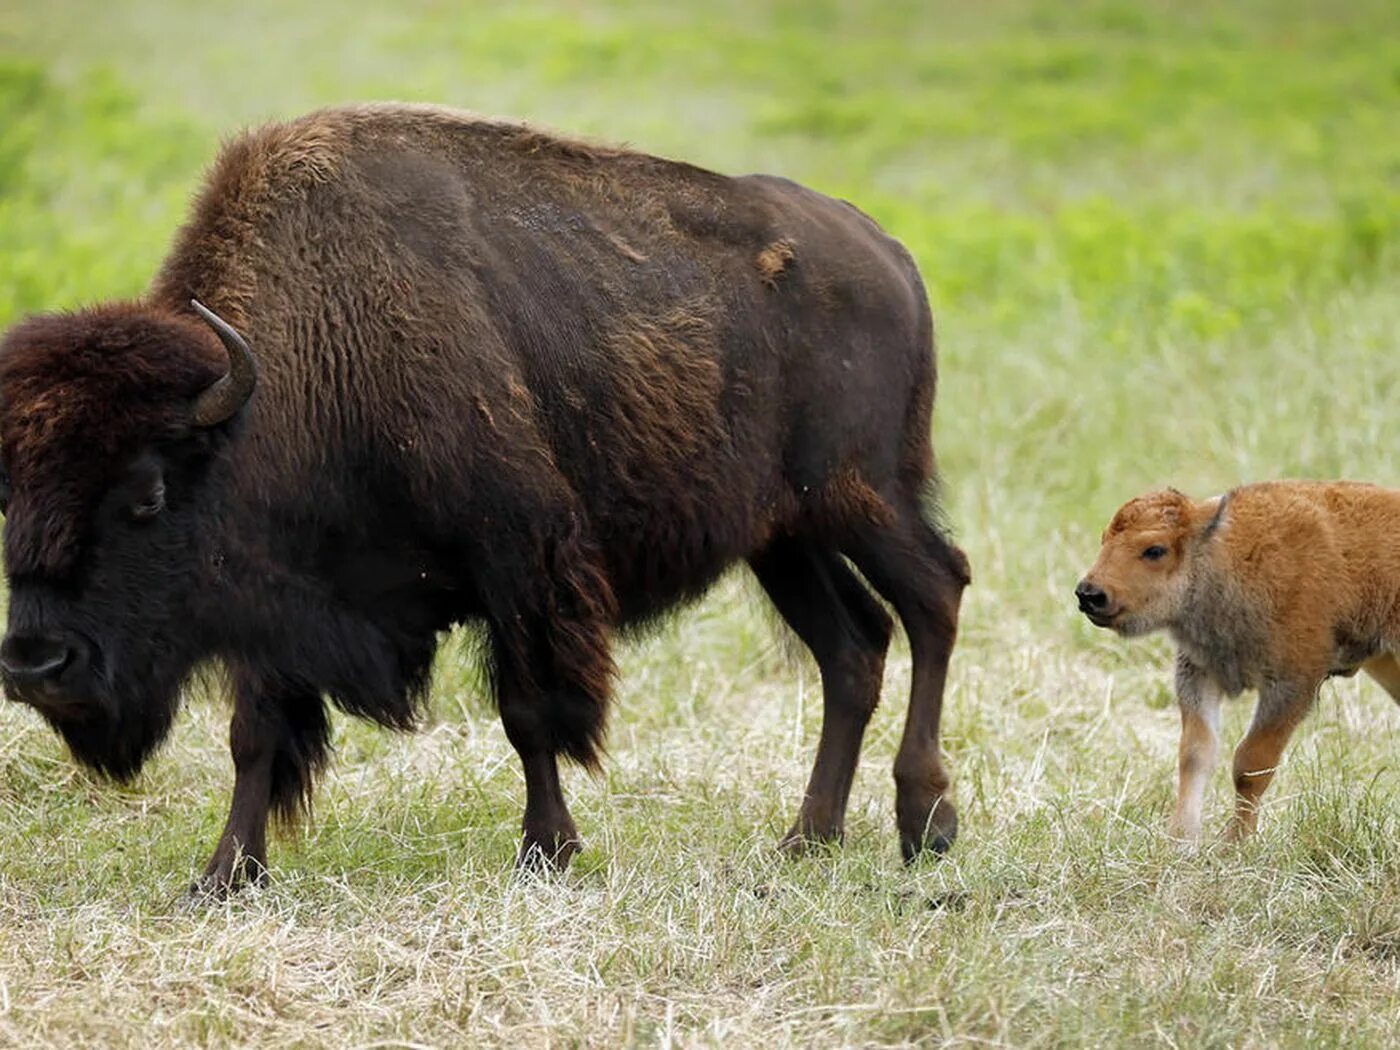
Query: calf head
(109, 421)
(1139, 582)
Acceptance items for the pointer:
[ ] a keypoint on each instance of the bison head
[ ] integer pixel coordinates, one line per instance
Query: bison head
(110, 420)
(1139, 582)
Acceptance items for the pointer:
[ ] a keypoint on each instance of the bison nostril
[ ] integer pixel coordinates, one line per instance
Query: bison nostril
(31, 659)
(1090, 595)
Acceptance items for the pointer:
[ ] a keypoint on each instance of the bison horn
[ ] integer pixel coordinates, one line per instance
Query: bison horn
(225, 396)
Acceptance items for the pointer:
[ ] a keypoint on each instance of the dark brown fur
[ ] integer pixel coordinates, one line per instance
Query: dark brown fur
(506, 378)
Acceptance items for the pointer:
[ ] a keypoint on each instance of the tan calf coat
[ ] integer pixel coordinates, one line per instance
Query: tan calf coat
(1272, 587)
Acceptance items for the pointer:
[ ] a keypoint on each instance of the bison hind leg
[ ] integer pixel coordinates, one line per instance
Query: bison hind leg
(916, 569)
(847, 632)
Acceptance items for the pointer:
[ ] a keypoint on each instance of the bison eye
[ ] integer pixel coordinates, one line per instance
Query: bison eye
(1156, 552)
(5, 492)
(151, 504)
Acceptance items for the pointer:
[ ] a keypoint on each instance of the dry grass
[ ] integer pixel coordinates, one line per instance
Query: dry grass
(1063, 916)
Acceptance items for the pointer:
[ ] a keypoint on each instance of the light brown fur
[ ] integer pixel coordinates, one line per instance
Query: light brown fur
(1273, 587)
(773, 260)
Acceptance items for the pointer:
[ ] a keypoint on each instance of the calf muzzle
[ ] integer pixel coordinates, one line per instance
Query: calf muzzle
(1092, 597)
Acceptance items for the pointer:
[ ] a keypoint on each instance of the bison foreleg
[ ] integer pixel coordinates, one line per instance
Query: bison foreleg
(528, 712)
(553, 674)
(549, 838)
(279, 740)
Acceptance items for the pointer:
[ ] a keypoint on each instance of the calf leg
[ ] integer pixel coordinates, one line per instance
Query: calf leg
(847, 632)
(279, 740)
(922, 575)
(1281, 707)
(1199, 700)
(1385, 669)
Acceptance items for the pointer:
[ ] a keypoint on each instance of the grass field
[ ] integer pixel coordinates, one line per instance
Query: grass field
(1163, 246)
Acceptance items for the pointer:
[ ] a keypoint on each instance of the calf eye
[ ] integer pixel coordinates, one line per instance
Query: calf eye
(152, 503)
(1155, 552)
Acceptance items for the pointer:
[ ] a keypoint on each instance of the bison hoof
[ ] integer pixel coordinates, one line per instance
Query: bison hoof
(213, 889)
(224, 877)
(805, 840)
(934, 831)
(545, 856)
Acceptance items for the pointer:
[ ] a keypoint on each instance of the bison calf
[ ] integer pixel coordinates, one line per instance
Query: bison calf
(1274, 587)
(458, 370)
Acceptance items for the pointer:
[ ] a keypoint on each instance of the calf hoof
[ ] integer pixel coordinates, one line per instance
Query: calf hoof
(1238, 831)
(1185, 845)
(544, 855)
(930, 829)
(1186, 833)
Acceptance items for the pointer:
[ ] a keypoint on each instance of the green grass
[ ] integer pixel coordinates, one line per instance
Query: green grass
(1163, 244)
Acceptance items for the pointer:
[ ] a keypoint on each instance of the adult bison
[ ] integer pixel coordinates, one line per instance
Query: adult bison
(494, 376)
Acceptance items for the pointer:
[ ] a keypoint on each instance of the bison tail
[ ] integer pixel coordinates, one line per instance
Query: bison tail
(917, 466)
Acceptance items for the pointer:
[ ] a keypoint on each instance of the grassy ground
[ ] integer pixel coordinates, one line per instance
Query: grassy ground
(1163, 243)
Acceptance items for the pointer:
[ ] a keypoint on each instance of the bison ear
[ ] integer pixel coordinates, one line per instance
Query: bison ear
(226, 395)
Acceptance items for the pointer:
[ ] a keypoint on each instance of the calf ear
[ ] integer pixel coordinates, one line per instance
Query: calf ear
(1216, 521)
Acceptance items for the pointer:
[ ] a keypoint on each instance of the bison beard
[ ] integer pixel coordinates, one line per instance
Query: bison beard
(501, 378)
